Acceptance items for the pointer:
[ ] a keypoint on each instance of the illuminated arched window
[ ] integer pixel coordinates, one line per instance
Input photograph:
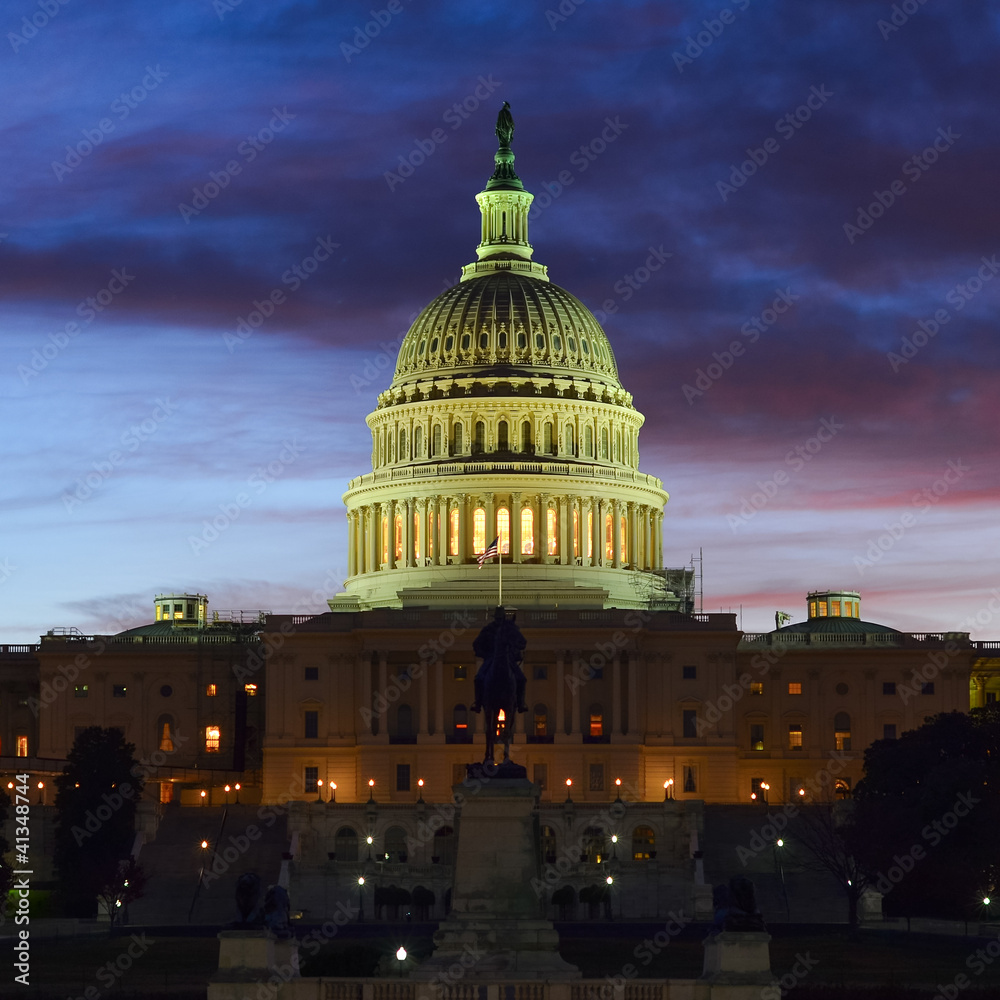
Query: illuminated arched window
(436, 439)
(624, 546)
(165, 733)
(527, 531)
(547, 438)
(570, 439)
(402, 446)
(418, 441)
(398, 536)
(480, 442)
(453, 531)
(479, 530)
(526, 436)
(552, 532)
(503, 529)
(609, 538)
(576, 533)
(433, 527)
(458, 440)
(385, 539)
(604, 442)
(842, 731)
(588, 442)
(618, 445)
(416, 534)
(590, 534)
(643, 843)
(503, 444)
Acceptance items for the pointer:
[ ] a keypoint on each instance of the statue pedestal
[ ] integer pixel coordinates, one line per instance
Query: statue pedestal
(248, 957)
(737, 964)
(496, 930)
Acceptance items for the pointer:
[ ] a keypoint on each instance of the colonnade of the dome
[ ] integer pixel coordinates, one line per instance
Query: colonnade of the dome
(534, 528)
(566, 430)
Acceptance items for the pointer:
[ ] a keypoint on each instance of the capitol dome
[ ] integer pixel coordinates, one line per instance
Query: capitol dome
(506, 319)
(505, 419)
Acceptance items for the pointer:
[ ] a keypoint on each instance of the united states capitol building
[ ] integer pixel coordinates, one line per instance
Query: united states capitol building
(505, 418)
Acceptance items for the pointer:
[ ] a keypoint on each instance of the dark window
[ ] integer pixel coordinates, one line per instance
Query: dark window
(312, 725)
(690, 778)
(841, 689)
(402, 777)
(888, 687)
(889, 731)
(539, 775)
(118, 690)
(81, 690)
(312, 673)
(597, 777)
(541, 673)
(757, 736)
(312, 779)
(597, 673)
(991, 697)
(345, 844)
(927, 687)
(461, 673)
(689, 673)
(689, 717)
(166, 691)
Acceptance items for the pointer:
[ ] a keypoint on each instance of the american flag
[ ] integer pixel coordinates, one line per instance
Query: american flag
(491, 550)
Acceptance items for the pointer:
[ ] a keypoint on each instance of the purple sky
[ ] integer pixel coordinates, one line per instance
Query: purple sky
(156, 398)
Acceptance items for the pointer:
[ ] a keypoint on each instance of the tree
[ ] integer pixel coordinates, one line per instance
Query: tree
(96, 800)
(933, 796)
(124, 883)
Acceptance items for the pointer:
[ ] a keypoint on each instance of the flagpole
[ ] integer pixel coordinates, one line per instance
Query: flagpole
(500, 563)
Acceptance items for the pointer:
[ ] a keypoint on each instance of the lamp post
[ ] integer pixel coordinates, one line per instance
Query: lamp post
(371, 789)
(618, 789)
(401, 958)
(370, 840)
(227, 795)
(569, 788)
(319, 789)
(420, 792)
(237, 787)
(204, 797)
(361, 898)
(668, 790)
(333, 791)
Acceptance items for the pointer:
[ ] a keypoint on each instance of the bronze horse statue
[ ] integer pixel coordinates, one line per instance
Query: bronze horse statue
(500, 681)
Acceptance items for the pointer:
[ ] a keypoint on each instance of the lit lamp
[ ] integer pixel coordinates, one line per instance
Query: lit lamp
(401, 958)
(371, 789)
(333, 791)
(618, 789)
(569, 787)
(420, 793)
(227, 795)
(370, 840)
(614, 846)
(765, 788)
(361, 897)
(204, 799)
(668, 790)
(237, 787)
(41, 787)
(319, 789)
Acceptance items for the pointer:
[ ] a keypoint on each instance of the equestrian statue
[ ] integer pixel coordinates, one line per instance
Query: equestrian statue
(500, 681)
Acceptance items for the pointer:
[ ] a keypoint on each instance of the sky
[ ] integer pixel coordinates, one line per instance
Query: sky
(784, 215)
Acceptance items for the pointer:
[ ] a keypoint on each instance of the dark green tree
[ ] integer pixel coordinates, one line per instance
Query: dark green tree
(930, 802)
(98, 792)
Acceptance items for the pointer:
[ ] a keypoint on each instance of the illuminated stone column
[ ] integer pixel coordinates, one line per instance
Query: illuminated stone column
(422, 535)
(659, 539)
(515, 527)
(543, 528)
(633, 534)
(616, 535)
(408, 540)
(463, 527)
(443, 512)
(600, 535)
(352, 541)
(585, 540)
